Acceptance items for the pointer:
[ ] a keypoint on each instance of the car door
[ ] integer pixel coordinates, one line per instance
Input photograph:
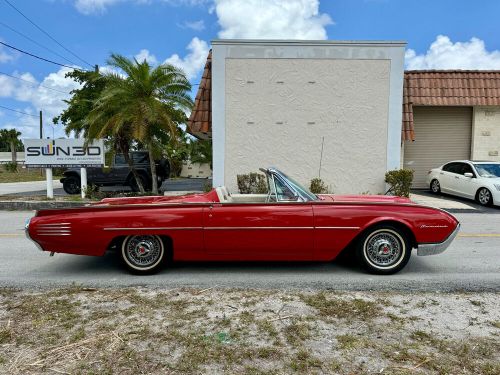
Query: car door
(259, 231)
(447, 177)
(466, 186)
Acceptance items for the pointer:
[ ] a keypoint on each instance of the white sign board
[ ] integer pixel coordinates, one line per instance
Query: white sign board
(48, 153)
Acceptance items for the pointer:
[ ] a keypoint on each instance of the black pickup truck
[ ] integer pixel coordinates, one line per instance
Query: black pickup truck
(118, 173)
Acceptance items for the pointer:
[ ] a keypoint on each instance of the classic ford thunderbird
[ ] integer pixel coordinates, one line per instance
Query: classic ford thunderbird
(289, 223)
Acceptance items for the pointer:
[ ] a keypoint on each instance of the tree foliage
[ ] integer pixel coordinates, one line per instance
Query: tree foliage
(9, 139)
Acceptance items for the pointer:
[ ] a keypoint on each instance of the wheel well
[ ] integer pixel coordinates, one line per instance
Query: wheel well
(396, 224)
(72, 174)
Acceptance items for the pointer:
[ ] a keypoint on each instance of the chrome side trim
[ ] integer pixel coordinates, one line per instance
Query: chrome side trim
(424, 249)
(224, 228)
(154, 228)
(255, 228)
(348, 228)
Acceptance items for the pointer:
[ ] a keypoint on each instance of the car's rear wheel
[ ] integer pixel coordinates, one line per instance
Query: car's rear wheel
(71, 185)
(435, 186)
(143, 254)
(484, 197)
(383, 250)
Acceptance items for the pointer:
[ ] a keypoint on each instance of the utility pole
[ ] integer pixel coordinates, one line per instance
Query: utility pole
(41, 125)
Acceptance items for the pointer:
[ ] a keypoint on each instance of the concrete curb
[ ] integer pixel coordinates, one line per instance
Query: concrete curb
(37, 205)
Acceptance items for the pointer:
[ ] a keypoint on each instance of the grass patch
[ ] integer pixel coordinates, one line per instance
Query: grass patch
(342, 308)
(23, 175)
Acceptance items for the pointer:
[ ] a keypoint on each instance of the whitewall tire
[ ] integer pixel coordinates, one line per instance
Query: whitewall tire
(383, 249)
(143, 254)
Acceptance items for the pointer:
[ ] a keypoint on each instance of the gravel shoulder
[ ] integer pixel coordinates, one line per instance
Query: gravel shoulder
(189, 331)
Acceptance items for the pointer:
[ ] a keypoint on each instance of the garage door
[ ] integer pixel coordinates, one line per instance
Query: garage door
(441, 134)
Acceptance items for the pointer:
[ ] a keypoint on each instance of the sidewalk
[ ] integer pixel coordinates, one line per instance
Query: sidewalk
(24, 187)
(440, 202)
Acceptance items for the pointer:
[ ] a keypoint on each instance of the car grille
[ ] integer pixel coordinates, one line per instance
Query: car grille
(53, 229)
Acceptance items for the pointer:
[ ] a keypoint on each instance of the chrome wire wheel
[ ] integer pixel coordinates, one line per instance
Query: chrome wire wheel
(435, 186)
(142, 253)
(384, 249)
(484, 196)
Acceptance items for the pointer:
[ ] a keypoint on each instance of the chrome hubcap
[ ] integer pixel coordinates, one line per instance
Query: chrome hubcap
(143, 251)
(435, 186)
(484, 196)
(383, 249)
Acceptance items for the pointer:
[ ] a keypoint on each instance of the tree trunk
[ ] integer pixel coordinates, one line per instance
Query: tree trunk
(126, 155)
(13, 151)
(154, 178)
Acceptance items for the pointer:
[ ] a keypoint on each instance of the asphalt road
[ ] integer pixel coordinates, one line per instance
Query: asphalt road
(472, 263)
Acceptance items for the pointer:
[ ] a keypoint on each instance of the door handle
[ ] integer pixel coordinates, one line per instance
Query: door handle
(457, 177)
(441, 172)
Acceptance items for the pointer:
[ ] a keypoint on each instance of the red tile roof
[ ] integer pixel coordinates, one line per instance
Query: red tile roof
(200, 121)
(447, 88)
(421, 87)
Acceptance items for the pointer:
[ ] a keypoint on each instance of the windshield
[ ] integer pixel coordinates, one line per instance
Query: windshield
(488, 170)
(300, 189)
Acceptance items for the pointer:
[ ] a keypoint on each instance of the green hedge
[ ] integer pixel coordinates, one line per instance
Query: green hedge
(252, 183)
(400, 181)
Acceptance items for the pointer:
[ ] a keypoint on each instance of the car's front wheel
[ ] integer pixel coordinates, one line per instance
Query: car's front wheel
(484, 197)
(435, 186)
(383, 250)
(143, 254)
(71, 185)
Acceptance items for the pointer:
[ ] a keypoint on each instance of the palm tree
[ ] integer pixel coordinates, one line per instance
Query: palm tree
(11, 137)
(142, 103)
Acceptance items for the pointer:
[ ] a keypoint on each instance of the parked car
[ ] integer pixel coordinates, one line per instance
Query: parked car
(478, 180)
(289, 223)
(118, 173)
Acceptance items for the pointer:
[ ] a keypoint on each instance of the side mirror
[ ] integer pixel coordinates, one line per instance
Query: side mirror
(468, 174)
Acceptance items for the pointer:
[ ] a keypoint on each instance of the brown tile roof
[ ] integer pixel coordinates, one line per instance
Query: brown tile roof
(447, 88)
(200, 121)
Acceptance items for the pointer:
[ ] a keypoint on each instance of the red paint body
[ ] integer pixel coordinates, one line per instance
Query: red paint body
(201, 228)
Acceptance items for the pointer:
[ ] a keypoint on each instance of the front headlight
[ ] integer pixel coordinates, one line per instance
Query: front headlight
(497, 186)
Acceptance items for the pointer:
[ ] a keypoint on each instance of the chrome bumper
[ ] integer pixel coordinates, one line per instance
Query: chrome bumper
(437, 248)
(27, 233)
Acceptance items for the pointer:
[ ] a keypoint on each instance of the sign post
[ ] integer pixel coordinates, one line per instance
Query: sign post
(83, 181)
(50, 183)
(70, 153)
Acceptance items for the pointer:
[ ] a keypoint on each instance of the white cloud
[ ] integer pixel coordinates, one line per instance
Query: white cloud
(88, 7)
(144, 54)
(6, 57)
(194, 61)
(94, 6)
(193, 25)
(271, 19)
(444, 54)
(37, 97)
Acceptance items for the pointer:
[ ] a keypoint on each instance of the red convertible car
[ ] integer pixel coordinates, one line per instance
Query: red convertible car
(289, 223)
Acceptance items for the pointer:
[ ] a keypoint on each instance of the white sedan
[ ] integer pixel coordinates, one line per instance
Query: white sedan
(479, 180)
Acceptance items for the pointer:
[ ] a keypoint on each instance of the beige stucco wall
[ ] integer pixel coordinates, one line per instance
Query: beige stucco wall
(486, 133)
(277, 112)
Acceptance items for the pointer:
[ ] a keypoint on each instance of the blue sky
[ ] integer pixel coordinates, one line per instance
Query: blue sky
(441, 34)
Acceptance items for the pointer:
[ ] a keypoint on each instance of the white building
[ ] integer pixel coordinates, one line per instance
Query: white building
(299, 105)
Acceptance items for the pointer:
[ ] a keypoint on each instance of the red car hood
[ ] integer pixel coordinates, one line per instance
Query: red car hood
(188, 198)
(364, 198)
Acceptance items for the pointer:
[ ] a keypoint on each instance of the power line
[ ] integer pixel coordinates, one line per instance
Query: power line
(46, 33)
(21, 112)
(33, 83)
(35, 42)
(37, 57)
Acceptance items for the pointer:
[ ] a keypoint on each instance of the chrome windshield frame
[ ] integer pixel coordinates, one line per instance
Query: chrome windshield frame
(272, 174)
